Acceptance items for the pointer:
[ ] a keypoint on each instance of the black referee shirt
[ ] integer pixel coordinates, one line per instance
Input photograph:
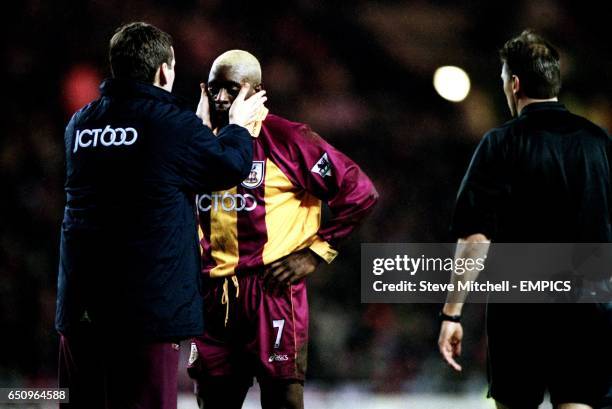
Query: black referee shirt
(541, 177)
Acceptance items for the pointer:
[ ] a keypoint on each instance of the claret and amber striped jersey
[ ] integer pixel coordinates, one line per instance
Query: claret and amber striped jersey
(276, 210)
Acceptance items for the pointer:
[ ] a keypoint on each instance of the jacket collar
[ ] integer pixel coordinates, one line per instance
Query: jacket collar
(133, 88)
(542, 106)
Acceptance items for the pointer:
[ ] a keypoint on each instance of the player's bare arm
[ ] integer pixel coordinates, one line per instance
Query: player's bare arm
(451, 333)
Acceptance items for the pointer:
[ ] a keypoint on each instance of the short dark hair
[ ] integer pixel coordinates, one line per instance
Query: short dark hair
(536, 62)
(137, 50)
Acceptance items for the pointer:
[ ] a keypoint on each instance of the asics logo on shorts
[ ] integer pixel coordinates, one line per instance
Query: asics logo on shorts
(108, 136)
(278, 357)
(227, 202)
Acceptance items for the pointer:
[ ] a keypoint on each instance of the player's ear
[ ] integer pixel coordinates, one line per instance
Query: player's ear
(516, 85)
(163, 74)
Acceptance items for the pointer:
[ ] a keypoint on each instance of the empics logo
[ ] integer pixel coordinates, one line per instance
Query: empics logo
(278, 357)
(323, 166)
(256, 175)
(107, 137)
(226, 201)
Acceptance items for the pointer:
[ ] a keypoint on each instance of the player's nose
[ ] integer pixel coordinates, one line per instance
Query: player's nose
(222, 96)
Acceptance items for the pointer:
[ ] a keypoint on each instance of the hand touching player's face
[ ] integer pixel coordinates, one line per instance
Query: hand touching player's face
(224, 83)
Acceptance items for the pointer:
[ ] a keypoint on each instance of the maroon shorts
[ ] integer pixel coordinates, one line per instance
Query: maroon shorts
(110, 372)
(265, 336)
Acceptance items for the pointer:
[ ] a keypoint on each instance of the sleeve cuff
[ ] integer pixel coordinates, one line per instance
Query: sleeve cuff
(323, 249)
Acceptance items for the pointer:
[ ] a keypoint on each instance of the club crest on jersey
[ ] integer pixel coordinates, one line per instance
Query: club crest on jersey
(323, 166)
(256, 175)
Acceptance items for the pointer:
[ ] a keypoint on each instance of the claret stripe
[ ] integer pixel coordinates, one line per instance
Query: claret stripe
(204, 238)
(252, 231)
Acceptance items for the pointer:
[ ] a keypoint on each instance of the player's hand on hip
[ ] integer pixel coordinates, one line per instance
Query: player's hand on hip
(449, 342)
(244, 110)
(290, 269)
(203, 109)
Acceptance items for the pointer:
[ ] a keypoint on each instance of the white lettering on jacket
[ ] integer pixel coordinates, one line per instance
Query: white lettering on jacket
(108, 136)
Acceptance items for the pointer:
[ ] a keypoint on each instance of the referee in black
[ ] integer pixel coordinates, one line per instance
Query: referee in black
(543, 177)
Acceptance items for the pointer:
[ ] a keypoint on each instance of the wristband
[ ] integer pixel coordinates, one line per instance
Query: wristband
(446, 317)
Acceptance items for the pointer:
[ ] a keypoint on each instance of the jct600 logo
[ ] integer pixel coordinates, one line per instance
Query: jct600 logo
(107, 137)
(226, 201)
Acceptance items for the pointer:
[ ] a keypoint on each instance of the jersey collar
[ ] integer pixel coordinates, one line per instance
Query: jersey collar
(543, 106)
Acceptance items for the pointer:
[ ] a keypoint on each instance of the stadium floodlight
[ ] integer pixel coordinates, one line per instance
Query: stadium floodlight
(451, 83)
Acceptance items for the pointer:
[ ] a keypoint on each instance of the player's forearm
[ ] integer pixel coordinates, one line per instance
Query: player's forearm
(475, 246)
(233, 159)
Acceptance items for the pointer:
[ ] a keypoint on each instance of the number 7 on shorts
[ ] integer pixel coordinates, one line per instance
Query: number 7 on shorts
(280, 324)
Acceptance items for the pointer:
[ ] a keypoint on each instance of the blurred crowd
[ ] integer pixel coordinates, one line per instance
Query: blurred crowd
(360, 74)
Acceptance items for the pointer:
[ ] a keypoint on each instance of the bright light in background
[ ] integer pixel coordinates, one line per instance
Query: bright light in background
(452, 83)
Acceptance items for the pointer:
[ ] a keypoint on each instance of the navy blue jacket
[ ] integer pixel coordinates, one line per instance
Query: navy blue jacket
(129, 253)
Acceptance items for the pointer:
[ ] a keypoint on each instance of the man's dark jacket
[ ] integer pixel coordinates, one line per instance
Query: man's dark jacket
(129, 253)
